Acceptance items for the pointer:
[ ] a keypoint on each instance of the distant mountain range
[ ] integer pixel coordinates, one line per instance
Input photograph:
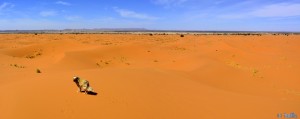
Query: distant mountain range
(73, 30)
(144, 30)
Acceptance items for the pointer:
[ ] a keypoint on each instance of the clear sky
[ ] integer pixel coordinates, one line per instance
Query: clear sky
(253, 15)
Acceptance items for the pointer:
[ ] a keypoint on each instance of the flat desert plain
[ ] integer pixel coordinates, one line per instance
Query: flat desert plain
(150, 77)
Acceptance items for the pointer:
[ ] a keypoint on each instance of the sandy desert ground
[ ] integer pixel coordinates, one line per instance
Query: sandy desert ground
(149, 77)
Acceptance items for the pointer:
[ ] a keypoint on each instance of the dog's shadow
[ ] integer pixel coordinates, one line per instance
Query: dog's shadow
(92, 93)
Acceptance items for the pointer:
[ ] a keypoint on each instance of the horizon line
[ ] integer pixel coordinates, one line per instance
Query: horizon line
(143, 30)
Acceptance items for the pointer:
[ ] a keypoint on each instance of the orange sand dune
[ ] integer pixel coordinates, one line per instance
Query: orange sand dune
(149, 77)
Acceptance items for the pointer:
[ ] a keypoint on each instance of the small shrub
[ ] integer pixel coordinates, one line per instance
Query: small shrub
(38, 71)
(254, 72)
(30, 56)
(17, 66)
(181, 35)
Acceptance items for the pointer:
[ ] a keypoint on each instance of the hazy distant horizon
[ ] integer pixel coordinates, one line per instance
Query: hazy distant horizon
(95, 30)
(191, 15)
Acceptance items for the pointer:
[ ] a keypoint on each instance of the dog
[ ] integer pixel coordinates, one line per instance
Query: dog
(83, 86)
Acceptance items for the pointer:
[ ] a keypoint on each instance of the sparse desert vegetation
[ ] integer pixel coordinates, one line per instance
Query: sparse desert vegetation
(17, 65)
(34, 54)
(38, 71)
(196, 75)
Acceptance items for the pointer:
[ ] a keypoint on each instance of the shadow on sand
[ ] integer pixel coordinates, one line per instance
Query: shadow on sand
(92, 93)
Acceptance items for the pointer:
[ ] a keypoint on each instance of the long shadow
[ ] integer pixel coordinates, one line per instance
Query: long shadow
(92, 93)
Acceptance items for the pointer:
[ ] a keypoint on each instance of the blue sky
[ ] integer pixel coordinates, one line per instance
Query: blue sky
(245, 15)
